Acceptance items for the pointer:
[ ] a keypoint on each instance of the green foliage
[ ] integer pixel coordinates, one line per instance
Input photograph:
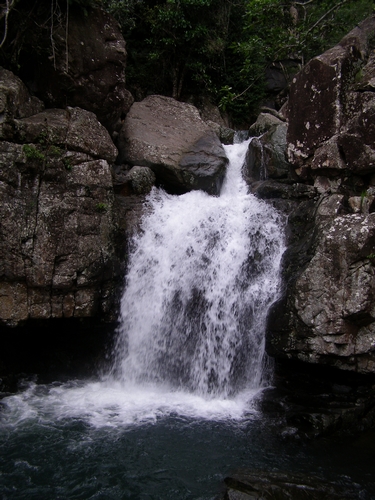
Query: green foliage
(43, 137)
(54, 151)
(101, 207)
(126, 13)
(277, 30)
(221, 48)
(32, 154)
(67, 164)
(181, 43)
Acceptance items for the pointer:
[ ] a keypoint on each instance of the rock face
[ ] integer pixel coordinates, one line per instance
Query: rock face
(81, 63)
(332, 110)
(327, 313)
(266, 157)
(170, 138)
(57, 256)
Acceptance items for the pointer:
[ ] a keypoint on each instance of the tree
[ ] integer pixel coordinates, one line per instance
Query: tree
(278, 30)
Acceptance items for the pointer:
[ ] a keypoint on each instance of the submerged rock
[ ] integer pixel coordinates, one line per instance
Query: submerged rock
(267, 485)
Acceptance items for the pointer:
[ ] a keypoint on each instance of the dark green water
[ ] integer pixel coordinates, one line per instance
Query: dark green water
(102, 441)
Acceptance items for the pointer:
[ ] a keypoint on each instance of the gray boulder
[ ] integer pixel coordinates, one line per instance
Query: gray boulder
(266, 156)
(170, 137)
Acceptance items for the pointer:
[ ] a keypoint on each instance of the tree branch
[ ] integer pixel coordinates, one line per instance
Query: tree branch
(303, 3)
(66, 37)
(325, 15)
(7, 11)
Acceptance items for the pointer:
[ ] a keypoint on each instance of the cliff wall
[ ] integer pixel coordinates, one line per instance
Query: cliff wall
(327, 313)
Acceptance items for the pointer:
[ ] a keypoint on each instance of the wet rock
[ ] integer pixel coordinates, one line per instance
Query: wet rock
(266, 156)
(270, 189)
(267, 485)
(170, 137)
(310, 401)
(329, 314)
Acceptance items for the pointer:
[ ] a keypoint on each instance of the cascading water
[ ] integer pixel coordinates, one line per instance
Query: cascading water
(202, 275)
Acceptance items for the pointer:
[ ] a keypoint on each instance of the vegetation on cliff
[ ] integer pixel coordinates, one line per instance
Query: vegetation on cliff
(187, 48)
(223, 47)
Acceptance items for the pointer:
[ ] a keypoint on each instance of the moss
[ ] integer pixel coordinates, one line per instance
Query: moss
(67, 164)
(101, 207)
(54, 151)
(32, 153)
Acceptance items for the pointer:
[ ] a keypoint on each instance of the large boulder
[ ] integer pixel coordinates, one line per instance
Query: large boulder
(266, 156)
(332, 109)
(56, 216)
(171, 138)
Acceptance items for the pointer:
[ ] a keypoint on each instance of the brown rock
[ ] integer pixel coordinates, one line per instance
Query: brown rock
(331, 119)
(56, 218)
(88, 70)
(170, 137)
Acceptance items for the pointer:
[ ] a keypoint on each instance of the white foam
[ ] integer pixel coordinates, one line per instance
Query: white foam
(117, 405)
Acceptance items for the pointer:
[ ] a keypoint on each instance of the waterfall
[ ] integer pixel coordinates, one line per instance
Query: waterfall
(202, 274)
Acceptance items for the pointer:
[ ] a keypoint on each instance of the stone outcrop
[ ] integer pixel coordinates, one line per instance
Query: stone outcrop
(170, 138)
(266, 156)
(79, 62)
(15, 100)
(327, 312)
(332, 109)
(57, 227)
